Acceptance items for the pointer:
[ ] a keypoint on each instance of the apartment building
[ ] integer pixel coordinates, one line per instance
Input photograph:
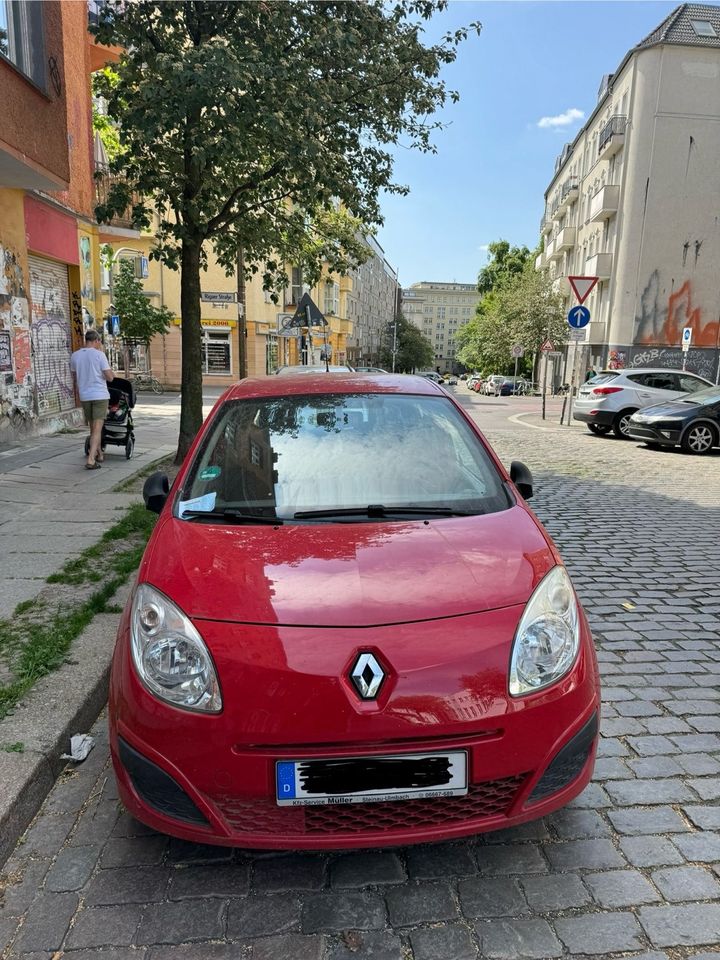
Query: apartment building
(372, 304)
(440, 310)
(633, 201)
(48, 234)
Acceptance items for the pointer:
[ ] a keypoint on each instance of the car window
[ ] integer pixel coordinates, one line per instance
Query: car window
(603, 378)
(275, 456)
(690, 384)
(655, 381)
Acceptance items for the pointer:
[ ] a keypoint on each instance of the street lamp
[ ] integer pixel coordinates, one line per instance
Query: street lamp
(111, 258)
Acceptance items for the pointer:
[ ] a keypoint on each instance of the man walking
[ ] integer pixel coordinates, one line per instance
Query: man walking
(92, 373)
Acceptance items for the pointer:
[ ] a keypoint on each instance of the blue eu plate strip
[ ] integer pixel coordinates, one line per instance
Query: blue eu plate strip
(285, 775)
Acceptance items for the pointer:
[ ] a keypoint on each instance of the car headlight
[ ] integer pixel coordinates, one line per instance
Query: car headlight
(548, 635)
(169, 654)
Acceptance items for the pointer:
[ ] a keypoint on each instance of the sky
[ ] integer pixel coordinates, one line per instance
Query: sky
(525, 85)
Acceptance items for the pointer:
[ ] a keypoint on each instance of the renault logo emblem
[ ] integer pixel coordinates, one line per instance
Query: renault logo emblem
(367, 675)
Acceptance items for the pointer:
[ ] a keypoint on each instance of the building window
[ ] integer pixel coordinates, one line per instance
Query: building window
(332, 299)
(216, 355)
(21, 38)
(703, 28)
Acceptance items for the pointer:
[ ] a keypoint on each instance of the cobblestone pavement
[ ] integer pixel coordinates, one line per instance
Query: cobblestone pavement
(632, 868)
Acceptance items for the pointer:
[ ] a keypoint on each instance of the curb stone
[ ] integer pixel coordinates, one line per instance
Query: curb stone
(66, 701)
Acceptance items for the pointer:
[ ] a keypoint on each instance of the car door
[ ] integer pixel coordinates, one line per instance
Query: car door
(656, 387)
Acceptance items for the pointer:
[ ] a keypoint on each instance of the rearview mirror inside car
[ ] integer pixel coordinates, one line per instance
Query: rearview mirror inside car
(155, 491)
(522, 478)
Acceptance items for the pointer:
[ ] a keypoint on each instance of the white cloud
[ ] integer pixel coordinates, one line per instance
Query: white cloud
(562, 119)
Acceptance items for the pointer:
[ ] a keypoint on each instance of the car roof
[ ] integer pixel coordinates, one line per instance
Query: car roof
(332, 383)
(626, 370)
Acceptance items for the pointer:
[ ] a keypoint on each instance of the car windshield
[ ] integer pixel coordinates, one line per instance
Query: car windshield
(280, 456)
(708, 395)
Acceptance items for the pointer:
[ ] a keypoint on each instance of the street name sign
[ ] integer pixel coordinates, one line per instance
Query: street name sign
(582, 287)
(686, 338)
(218, 296)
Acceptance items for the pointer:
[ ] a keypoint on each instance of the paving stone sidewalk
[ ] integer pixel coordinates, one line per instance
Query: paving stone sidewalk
(51, 508)
(631, 869)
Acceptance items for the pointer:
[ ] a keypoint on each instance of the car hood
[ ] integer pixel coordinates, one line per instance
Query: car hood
(670, 408)
(340, 574)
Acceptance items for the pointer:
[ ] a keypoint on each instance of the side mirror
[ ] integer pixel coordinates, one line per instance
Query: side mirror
(522, 478)
(155, 491)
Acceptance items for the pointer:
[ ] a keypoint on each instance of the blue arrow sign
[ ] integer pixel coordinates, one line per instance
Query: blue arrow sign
(578, 317)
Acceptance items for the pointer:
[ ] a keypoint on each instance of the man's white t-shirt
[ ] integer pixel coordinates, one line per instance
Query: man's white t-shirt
(88, 364)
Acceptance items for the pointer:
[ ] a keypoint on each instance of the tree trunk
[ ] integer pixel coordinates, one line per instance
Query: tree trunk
(242, 318)
(191, 397)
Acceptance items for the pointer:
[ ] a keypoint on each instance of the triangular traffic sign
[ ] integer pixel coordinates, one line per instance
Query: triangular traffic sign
(301, 318)
(582, 286)
(547, 347)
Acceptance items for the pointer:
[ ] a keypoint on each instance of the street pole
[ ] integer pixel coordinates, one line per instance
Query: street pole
(544, 387)
(516, 366)
(394, 346)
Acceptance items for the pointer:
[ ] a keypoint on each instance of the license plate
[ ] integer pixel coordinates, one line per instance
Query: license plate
(405, 776)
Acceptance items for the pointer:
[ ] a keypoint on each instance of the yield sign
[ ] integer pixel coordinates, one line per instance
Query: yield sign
(582, 286)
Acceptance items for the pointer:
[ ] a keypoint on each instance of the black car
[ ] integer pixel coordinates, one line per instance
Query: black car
(691, 422)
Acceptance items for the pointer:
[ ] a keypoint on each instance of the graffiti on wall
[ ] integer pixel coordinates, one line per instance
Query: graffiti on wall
(87, 291)
(661, 320)
(16, 386)
(702, 362)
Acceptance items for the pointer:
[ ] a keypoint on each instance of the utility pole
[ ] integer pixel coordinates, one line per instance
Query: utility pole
(394, 346)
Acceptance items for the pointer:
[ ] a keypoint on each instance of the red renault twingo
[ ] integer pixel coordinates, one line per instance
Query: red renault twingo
(348, 629)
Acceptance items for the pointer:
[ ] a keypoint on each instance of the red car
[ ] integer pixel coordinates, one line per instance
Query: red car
(348, 629)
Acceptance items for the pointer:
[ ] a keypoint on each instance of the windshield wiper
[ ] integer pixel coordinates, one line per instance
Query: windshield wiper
(378, 511)
(236, 516)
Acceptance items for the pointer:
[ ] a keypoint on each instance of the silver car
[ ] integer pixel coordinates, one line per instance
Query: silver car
(607, 401)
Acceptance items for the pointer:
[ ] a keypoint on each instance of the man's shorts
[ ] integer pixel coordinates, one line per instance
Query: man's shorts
(94, 409)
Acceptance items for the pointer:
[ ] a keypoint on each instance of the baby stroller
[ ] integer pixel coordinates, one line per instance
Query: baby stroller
(118, 426)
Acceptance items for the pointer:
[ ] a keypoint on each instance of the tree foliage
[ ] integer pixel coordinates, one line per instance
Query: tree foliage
(413, 350)
(504, 265)
(250, 125)
(139, 319)
(525, 311)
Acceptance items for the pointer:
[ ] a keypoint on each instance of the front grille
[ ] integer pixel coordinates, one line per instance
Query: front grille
(264, 817)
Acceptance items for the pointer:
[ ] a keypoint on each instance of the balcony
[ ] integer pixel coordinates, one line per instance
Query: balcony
(540, 261)
(565, 240)
(612, 137)
(599, 265)
(549, 250)
(569, 192)
(554, 206)
(604, 204)
(545, 226)
(104, 182)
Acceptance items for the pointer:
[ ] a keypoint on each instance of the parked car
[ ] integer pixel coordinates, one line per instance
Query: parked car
(451, 381)
(316, 368)
(433, 375)
(370, 370)
(311, 506)
(607, 401)
(512, 386)
(491, 387)
(691, 422)
(472, 379)
(479, 385)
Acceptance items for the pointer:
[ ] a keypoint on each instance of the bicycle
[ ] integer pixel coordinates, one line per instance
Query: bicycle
(148, 381)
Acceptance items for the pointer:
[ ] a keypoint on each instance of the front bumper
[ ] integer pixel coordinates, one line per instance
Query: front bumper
(211, 779)
(649, 434)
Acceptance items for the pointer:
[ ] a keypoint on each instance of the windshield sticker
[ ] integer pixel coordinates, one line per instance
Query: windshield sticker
(209, 473)
(206, 502)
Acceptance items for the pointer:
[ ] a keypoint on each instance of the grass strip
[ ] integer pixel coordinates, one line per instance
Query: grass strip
(38, 638)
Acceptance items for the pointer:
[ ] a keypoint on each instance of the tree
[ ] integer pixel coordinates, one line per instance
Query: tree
(504, 265)
(251, 125)
(413, 350)
(139, 319)
(525, 311)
